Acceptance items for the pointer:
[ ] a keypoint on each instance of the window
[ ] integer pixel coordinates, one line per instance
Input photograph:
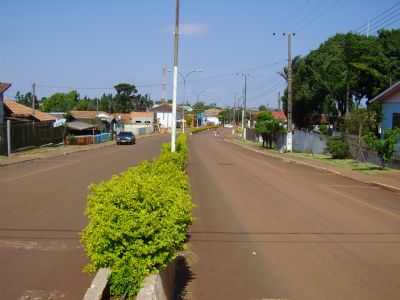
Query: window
(396, 120)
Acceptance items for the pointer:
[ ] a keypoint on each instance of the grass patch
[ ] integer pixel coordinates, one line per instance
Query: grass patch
(351, 164)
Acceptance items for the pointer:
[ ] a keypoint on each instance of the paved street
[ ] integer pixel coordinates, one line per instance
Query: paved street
(266, 229)
(42, 212)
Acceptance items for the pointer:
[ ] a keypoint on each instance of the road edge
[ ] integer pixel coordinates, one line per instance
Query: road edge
(324, 169)
(99, 146)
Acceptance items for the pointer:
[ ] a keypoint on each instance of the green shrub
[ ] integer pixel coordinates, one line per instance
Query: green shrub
(324, 129)
(338, 148)
(201, 129)
(138, 220)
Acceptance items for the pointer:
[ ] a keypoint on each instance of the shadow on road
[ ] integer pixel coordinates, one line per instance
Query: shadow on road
(184, 276)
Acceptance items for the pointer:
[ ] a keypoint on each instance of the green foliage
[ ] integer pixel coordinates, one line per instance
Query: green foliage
(324, 129)
(60, 102)
(385, 147)
(346, 68)
(262, 108)
(268, 127)
(338, 148)
(201, 129)
(360, 122)
(138, 220)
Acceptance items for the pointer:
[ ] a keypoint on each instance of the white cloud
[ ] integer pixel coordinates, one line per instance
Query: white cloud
(190, 29)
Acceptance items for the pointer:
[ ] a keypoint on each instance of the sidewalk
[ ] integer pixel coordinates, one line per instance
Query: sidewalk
(388, 179)
(50, 152)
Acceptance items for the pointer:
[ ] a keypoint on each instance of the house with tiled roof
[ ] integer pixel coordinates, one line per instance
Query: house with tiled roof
(3, 87)
(15, 111)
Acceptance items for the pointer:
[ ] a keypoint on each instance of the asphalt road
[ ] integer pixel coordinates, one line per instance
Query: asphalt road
(267, 229)
(42, 212)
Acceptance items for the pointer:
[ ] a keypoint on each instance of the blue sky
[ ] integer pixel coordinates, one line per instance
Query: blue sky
(96, 44)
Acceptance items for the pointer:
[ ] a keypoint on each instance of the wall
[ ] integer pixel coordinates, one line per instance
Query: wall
(138, 129)
(309, 142)
(388, 109)
(212, 120)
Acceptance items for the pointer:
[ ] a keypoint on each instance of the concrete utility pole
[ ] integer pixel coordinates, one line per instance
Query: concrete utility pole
(279, 101)
(33, 98)
(244, 75)
(289, 142)
(175, 79)
(164, 84)
(289, 136)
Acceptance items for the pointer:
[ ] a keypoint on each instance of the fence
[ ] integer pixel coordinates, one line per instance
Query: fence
(29, 134)
(303, 141)
(138, 129)
(88, 139)
(360, 152)
(3, 139)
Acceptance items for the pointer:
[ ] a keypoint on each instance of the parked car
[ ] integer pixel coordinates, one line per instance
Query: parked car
(126, 137)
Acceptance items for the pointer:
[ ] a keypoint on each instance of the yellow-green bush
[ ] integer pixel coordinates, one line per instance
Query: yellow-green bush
(200, 129)
(138, 220)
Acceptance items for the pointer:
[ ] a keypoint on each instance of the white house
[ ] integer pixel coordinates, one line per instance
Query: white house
(211, 116)
(163, 115)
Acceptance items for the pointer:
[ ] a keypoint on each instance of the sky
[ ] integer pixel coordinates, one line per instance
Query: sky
(92, 45)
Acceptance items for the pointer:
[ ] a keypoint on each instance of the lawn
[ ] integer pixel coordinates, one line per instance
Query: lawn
(350, 164)
(342, 163)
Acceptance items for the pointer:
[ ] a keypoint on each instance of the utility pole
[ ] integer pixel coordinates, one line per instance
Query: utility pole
(175, 79)
(289, 142)
(164, 84)
(234, 110)
(33, 98)
(244, 75)
(279, 101)
(289, 136)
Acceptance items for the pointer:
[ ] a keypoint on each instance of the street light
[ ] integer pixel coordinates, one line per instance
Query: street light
(184, 78)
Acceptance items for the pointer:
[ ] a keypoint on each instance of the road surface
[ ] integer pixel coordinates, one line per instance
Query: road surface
(267, 229)
(42, 212)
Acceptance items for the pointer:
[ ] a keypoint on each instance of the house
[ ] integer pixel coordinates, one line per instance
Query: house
(143, 118)
(390, 100)
(17, 112)
(211, 116)
(280, 116)
(102, 120)
(163, 115)
(3, 87)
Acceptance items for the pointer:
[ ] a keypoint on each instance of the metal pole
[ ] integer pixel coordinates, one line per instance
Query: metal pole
(8, 137)
(289, 141)
(175, 79)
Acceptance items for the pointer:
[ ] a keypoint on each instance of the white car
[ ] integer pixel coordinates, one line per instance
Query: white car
(228, 126)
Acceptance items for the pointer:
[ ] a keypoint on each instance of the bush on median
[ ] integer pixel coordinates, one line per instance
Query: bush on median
(138, 220)
(200, 129)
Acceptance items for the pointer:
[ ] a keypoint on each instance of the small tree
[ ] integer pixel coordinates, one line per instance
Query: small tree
(268, 127)
(385, 147)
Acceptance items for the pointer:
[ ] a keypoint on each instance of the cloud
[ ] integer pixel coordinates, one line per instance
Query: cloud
(190, 29)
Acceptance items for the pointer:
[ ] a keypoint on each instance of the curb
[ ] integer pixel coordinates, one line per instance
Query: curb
(328, 170)
(3, 165)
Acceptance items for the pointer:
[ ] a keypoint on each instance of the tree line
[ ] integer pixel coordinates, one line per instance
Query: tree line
(344, 71)
(125, 99)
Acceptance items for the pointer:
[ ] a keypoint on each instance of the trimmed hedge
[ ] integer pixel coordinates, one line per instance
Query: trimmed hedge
(201, 129)
(138, 220)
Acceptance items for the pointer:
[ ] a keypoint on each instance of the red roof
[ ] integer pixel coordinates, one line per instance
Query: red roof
(279, 115)
(18, 110)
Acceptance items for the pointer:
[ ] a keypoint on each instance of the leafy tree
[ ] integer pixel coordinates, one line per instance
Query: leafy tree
(360, 122)
(123, 101)
(60, 102)
(385, 147)
(262, 108)
(268, 127)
